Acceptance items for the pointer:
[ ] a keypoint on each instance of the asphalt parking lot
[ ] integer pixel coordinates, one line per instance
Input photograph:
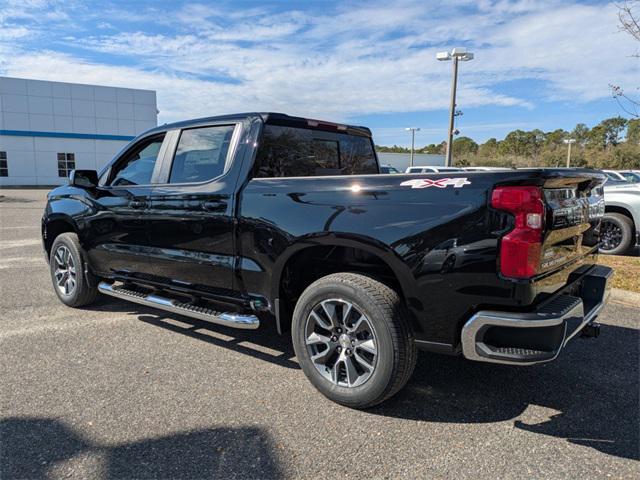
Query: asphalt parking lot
(121, 391)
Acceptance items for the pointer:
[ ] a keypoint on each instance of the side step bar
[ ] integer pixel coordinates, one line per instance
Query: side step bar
(233, 320)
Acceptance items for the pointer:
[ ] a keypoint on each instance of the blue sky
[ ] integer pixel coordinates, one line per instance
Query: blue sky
(538, 63)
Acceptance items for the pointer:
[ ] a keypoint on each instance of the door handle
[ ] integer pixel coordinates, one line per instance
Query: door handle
(213, 205)
(137, 204)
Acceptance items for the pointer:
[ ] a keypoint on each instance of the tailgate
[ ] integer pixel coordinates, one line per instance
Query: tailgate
(574, 206)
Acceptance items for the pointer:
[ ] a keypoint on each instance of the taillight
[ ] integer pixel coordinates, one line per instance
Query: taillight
(520, 249)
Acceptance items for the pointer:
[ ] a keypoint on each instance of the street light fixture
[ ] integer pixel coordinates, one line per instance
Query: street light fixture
(413, 131)
(457, 54)
(569, 141)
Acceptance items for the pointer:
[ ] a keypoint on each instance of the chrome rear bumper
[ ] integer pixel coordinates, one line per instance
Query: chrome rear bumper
(518, 338)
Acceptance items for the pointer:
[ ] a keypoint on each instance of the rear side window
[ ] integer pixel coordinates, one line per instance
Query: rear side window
(201, 154)
(302, 152)
(356, 155)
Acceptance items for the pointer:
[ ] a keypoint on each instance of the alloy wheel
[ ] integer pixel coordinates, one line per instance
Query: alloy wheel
(65, 270)
(341, 342)
(610, 235)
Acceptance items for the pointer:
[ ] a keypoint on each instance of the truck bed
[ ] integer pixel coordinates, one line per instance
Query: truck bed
(437, 231)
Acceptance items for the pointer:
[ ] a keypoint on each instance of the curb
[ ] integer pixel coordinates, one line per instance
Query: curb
(625, 297)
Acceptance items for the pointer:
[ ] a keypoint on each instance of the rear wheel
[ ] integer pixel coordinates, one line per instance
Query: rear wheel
(616, 234)
(67, 267)
(352, 339)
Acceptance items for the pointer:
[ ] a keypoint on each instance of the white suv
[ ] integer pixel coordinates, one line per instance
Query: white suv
(428, 169)
(620, 228)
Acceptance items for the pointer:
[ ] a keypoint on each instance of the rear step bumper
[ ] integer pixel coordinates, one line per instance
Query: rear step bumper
(538, 336)
(233, 320)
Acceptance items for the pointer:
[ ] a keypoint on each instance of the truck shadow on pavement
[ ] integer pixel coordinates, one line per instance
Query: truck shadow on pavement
(264, 344)
(34, 447)
(589, 395)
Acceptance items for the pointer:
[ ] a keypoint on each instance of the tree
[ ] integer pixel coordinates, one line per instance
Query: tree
(394, 149)
(607, 133)
(613, 128)
(597, 138)
(633, 131)
(580, 134)
(555, 138)
(537, 140)
(431, 148)
(488, 149)
(625, 156)
(521, 143)
(612, 143)
(629, 16)
(463, 146)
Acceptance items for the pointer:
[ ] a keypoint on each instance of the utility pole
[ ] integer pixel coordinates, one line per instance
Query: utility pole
(569, 141)
(413, 131)
(452, 109)
(456, 54)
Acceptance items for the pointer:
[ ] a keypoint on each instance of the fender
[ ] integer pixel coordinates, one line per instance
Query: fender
(71, 226)
(633, 213)
(338, 239)
(54, 217)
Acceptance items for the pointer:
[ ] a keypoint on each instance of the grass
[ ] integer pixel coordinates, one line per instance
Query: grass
(627, 271)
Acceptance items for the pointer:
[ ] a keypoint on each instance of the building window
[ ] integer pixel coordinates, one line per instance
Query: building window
(4, 168)
(66, 163)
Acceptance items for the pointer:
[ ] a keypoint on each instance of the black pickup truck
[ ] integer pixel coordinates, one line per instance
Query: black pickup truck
(267, 218)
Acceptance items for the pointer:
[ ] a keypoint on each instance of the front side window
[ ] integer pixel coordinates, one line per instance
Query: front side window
(201, 154)
(4, 167)
(66, 163)
(136, 167)
(304, 152)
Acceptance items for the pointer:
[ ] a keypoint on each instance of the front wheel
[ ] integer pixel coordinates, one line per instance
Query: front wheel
(616, 234)
(352, 339)
(67, 267)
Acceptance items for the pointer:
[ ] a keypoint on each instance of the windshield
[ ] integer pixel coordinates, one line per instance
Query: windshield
(632, 177)
(615, 176)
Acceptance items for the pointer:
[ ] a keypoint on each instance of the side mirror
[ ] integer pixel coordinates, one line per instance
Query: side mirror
(83, 178)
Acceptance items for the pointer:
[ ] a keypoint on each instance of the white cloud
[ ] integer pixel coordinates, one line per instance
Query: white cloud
(347, 60)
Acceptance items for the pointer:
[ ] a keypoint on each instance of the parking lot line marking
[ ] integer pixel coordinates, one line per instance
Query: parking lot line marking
(21, 262)
(47, 328)
(20, 243)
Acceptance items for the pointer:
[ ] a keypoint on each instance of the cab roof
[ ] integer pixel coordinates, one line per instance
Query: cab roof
(272, 118)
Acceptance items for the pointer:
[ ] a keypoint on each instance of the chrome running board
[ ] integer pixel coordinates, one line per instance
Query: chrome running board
(233, 320)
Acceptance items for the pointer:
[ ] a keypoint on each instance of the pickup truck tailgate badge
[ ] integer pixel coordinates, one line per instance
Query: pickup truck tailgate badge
(438, 183)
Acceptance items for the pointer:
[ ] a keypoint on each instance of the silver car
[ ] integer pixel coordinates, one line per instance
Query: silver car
(620, 228)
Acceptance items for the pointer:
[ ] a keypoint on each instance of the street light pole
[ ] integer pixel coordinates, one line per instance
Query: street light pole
(569, 141)
(413, 131)
(452, 112)
(456, 55)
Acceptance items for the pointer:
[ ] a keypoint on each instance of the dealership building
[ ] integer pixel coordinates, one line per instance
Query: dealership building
(49, 128)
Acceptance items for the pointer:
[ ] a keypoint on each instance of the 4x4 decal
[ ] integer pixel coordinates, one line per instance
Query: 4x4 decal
(439, 183)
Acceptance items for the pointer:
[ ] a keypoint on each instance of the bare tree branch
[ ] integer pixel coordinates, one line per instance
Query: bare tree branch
(629, 15)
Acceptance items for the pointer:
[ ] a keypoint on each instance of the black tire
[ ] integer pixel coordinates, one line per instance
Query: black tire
(396, 350)
(82, 293)
(616, 234)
